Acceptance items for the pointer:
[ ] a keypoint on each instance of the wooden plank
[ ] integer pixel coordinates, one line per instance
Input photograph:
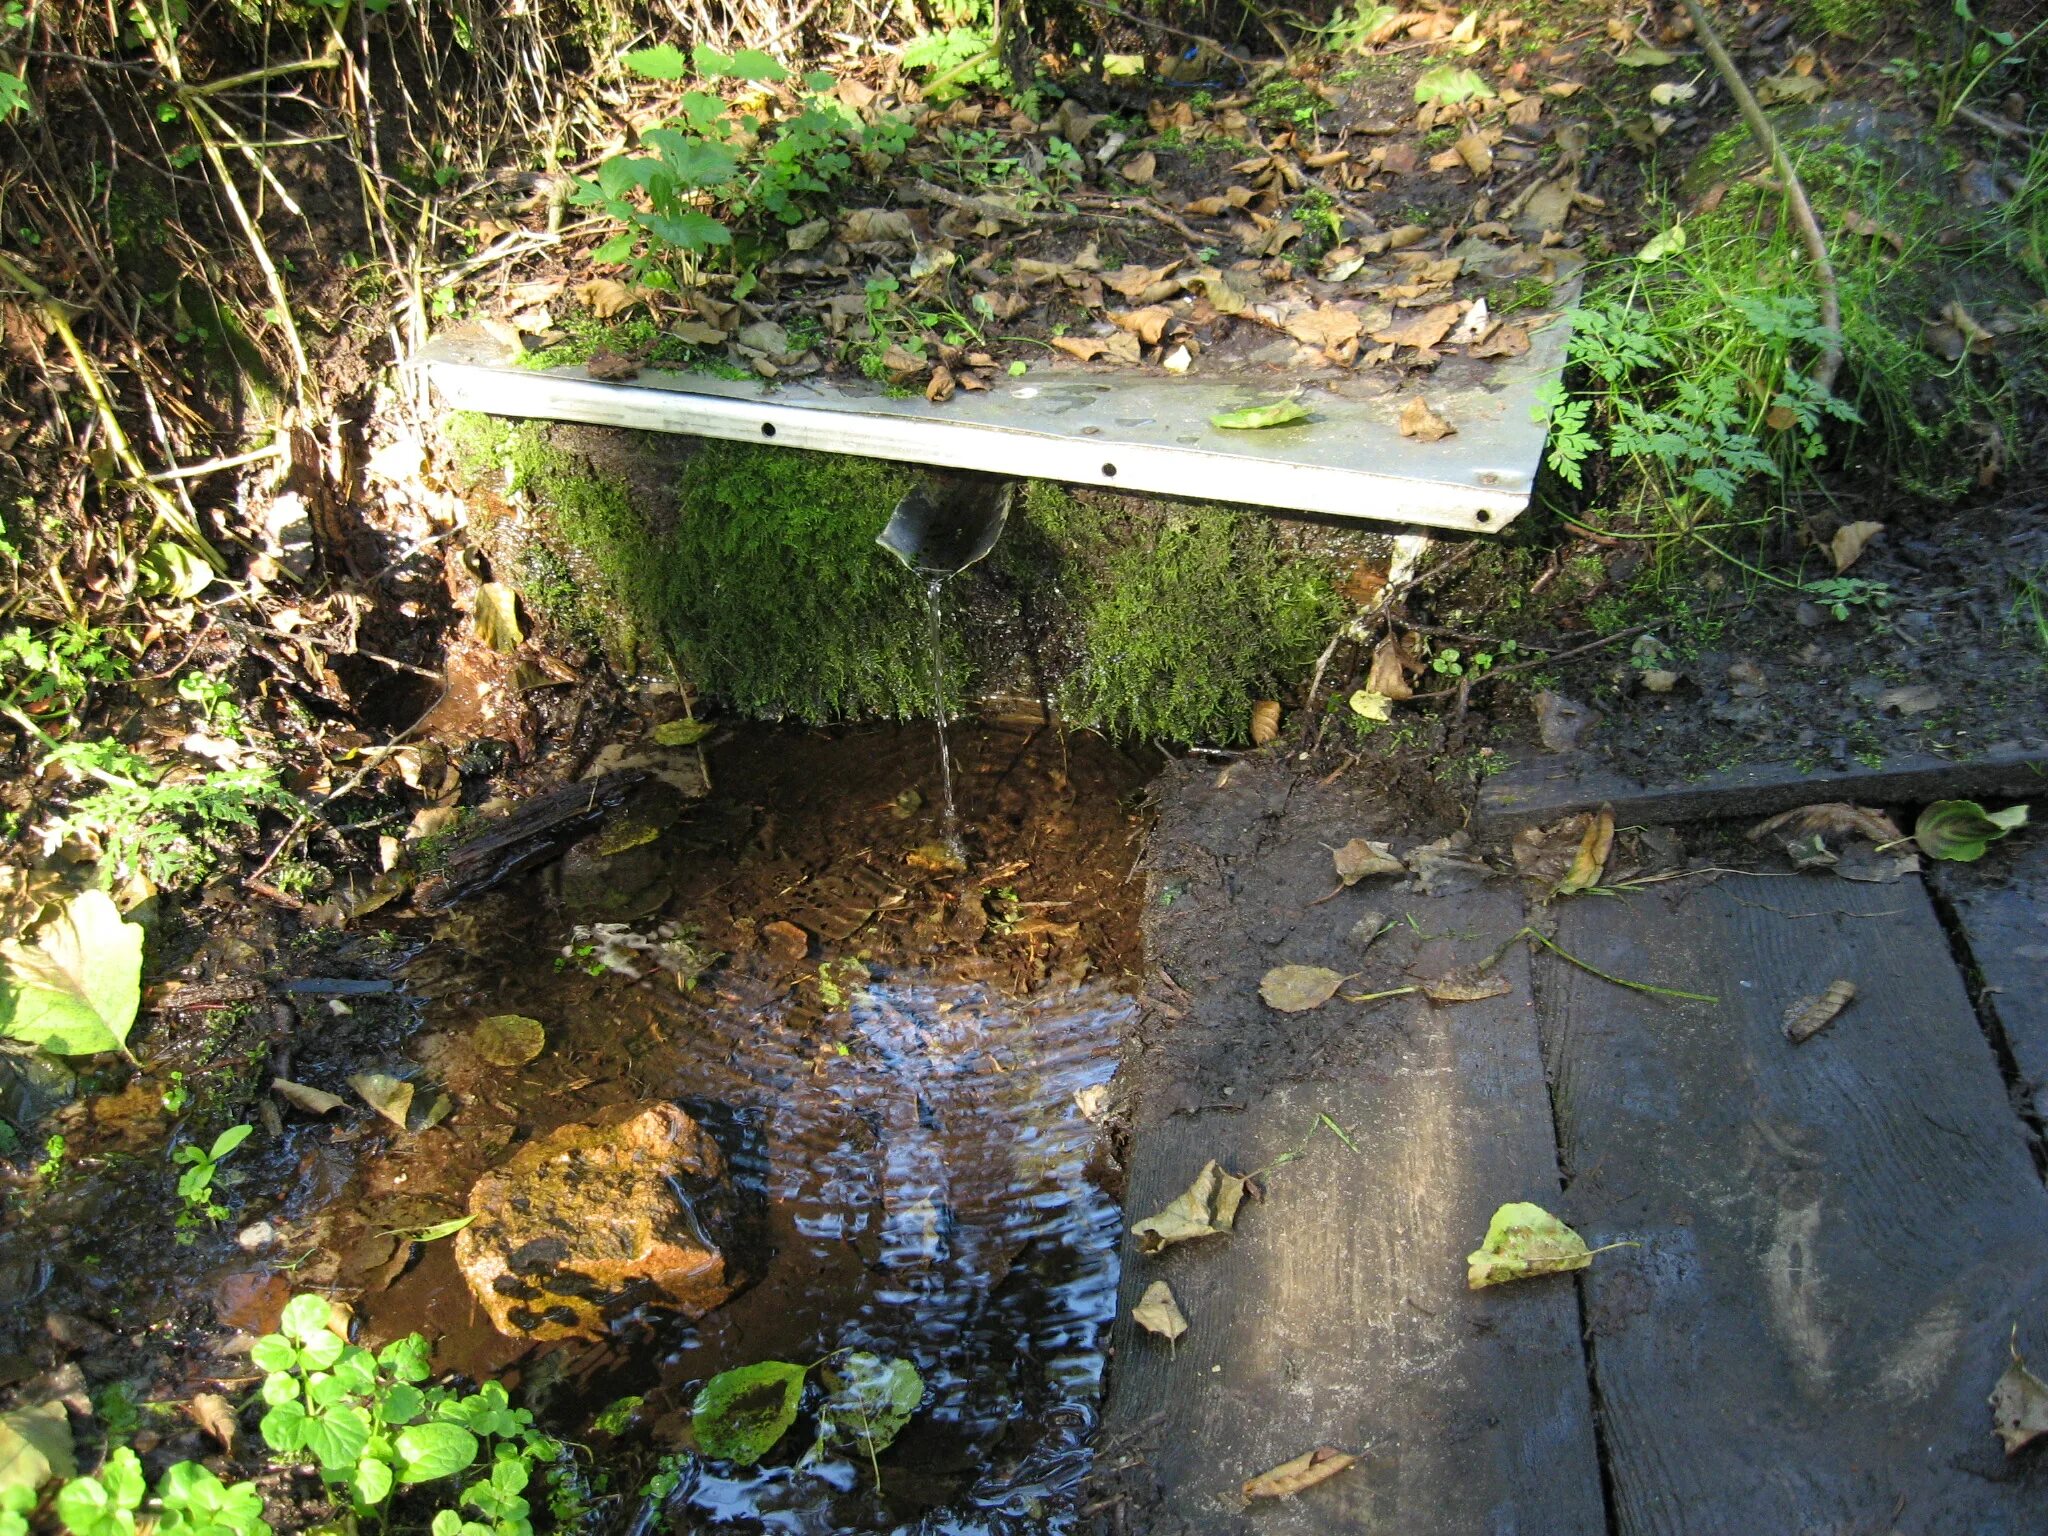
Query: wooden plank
(2001, 903)
(1836, 1237)
(1542, 789)
(1337, 1313)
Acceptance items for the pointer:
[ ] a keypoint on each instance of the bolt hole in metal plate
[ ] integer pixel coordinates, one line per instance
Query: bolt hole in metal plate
(1348, 459)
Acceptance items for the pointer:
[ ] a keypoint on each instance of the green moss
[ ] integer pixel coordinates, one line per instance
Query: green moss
(761, 579)
(756, 570)
(1181, 622)
(631, 335)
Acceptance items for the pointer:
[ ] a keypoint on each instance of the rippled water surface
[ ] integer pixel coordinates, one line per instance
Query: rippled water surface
(911, 1108)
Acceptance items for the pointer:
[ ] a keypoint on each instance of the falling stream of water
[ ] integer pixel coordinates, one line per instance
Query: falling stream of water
(934, 607)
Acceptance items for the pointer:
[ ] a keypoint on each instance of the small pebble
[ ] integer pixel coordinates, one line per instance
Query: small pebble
(1657, 680)
(1367, 928)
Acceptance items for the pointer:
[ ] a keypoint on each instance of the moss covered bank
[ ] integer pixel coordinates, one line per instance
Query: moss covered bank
(754, 571)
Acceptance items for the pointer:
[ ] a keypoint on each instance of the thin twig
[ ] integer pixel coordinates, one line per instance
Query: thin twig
(1795, 196)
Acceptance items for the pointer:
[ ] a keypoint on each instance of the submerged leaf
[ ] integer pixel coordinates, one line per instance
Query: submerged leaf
(76, 987)
(680, 733)
(1524, 1240)
(871, 1399)
(1962, 829)
(1298, 988)
(740, 1414)
(1359, 858)
(1305, 1471)
(1280, 413)
(496, 616)
(390, 1096)
(1157, 1312)
(314, 1101)
(509, 1039)
(1205, 1208)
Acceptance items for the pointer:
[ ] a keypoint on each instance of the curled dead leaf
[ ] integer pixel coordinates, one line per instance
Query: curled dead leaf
(1359, 859)
(1591, 861)
(1423, 424)
(1849, 542)
(1265, 721)
(1147, 324)
(1464, 987)
(1206, 1208)
(1305, 1471)
(1810, 1015)
(1424, 330)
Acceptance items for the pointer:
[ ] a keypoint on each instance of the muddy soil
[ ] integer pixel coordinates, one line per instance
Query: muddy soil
(1939, 650)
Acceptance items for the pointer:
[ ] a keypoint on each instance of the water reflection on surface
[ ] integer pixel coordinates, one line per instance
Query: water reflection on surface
(949, 1154)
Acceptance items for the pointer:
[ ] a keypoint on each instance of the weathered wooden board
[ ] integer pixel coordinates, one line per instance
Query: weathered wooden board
(1837, 1237)
(1337, 1313)
(2002, 904)
(1544, 788)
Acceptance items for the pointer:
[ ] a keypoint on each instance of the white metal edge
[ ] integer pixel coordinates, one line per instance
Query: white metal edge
(975, 445)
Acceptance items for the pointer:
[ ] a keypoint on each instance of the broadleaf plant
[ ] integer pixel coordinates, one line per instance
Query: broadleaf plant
(1962, 829)
(76, 986)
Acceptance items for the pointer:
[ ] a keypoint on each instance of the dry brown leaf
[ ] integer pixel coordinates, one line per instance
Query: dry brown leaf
(607, 296)
(2019, 1404)
(1389, 675)
(611, 367)
(1215, 207)
(1086, 348)
(1298, 988)
(1810, 1015)
(1206, 1208)
(1305, 1471)
(1123, 347)
(1358, 858)
(940, 388)
(1464, 987)
(878, 226)
(1862, 224)
(216, 1415)
(1141, 168)
(1265, 721)
(1157, 1312)
(1131, 281)
(1505, 341)
(1420, 422)
(1525, 112)
(1849, 542)
(1832, 816)
(1326, 326)
(1147, 324)
(1477, 154)
(1424, 330)
(1591, 860)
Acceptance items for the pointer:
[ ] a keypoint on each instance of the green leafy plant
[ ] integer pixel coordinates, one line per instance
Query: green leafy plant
(47, 675)
(370, 1428)
(195, 1184)
(189, 1501)
(707, 169)
(954, 61)
(173, 829)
